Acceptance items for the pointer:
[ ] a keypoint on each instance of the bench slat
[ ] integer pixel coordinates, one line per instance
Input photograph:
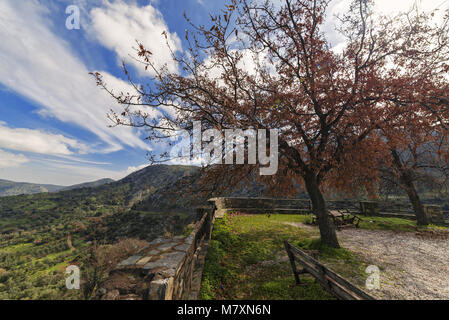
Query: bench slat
(330, 280)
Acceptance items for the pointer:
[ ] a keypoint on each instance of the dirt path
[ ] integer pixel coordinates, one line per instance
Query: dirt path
(69, 242)
(412, 267)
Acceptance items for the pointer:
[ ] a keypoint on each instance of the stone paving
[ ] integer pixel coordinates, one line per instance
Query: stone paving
(167, 268)
(162, 254)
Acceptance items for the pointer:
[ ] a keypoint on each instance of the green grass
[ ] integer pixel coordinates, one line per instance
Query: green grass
(247, 260)
(17, 248)
(188, 229)
(395, 224)
(340, 260)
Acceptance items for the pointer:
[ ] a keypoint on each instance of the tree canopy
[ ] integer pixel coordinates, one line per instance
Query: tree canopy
(261, 65)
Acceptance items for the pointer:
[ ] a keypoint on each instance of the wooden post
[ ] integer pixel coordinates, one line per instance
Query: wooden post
(325, 282)
(292, 262)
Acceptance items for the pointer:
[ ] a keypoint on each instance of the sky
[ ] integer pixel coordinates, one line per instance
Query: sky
(53, 123)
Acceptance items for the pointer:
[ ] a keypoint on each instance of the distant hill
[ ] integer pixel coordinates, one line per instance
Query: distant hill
(85, 203)
(11, 188)
(93, 184)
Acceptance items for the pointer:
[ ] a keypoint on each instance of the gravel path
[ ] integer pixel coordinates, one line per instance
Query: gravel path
(412, 267)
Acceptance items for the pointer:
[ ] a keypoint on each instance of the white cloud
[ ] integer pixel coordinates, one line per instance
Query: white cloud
(248, 62)
(37, 64)
(50, 171)
(136, 168)
(118, 86)
(118, 25)
(11, 160)
(37, 141)
(394, 7)
(381, 7)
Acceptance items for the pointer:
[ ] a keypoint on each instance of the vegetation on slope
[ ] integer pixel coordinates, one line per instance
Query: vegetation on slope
(35, 229)
(11, 188)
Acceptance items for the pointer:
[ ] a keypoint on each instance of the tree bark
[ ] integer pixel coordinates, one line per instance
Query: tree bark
(406, 182)
(327, 228)
(421, 216)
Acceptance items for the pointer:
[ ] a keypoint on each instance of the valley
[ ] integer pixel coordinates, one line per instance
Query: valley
(41, 234)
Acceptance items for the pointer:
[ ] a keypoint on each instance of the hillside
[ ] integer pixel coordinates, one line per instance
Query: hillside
(32, 210)
(35, 229)
(92, 184)
(40, 234)
(11, 188)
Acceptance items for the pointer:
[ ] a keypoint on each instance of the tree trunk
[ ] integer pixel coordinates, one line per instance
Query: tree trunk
(327, 228)
(421, 216)
(406, 182)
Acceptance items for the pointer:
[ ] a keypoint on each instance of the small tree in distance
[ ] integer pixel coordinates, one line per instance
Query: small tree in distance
(418, 155)
(263, 66)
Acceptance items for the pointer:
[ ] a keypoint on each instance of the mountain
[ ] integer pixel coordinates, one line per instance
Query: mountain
(184, 194)
(146, 181)
(11, 188)
(100, 213)
(92, 184)
(87, 200)
(158, 197)
(42, 233)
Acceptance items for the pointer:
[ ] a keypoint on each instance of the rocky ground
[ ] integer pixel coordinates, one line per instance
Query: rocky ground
(412, 266)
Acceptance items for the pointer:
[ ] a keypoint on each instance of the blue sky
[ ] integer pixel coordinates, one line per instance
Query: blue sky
(53, 125)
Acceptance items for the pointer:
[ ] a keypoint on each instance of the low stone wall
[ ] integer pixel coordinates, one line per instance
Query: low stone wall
(434, 213)
(167, 269)
(260, 205)
(395, 210)
(304, 206)
(369, 208)
(352, 205)
(270, 205)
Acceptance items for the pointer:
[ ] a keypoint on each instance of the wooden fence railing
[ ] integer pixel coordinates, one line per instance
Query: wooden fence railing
(333, 283)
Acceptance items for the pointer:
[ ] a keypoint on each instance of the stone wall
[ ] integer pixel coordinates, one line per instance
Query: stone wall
(168, 268)
(260, 205)
(370, 208)
(401, 210)
(304, 206)
(270, 205)
(434, 213)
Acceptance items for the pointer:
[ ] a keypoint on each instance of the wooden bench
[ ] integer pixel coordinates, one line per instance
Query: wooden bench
(342, 219)
(332, 282)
